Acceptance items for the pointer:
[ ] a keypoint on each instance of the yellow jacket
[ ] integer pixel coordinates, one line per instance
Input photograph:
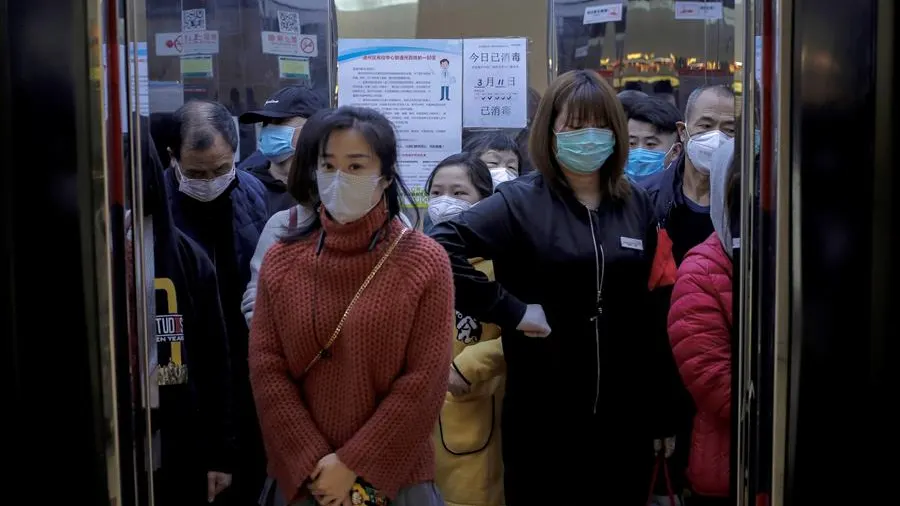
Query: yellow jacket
(467, 436)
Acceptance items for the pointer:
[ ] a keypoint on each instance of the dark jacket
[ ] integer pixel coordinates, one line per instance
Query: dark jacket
(228, 229)
(590, 389)
(277, 196)
(247, 198)
(195, 418)
(665, 190)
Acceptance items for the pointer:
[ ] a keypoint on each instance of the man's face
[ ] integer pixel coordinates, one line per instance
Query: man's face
(710, 112)
(444, 65)
(296, 123)
(209, 163)
(647, 136)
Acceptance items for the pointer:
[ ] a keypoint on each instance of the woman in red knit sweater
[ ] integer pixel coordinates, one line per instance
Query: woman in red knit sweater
(348, 347)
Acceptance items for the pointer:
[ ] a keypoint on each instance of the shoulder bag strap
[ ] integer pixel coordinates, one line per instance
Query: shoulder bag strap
(292, 218)
(362, 288)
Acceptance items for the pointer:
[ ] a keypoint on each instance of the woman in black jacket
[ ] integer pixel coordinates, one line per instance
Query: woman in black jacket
(572, 246)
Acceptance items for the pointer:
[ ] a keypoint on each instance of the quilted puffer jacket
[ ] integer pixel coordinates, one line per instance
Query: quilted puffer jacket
(700, 322)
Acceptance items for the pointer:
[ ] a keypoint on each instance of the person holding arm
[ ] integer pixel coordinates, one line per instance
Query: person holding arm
(572, 246)
(348, 348)
(467, 436)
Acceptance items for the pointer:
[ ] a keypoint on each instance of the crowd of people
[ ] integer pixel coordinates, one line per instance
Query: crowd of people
(555, 328)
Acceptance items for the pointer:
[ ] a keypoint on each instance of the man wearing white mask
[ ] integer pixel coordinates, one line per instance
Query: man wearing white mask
(681, 194)
(223, 210)
(680, 197)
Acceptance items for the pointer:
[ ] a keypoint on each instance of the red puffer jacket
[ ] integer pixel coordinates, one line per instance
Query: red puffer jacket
(700, 334)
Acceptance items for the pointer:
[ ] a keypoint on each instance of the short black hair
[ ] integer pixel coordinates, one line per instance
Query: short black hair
(628, 98)
(198, 122)
(481, 142)
(378, 132)
(721, 90)
(478, 172)
(657, 112)
(444, 60)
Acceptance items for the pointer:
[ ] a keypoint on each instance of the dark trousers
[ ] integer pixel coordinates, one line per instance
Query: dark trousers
(696, 500)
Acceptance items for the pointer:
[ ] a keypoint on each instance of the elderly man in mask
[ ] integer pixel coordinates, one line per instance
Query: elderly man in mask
(223, 210)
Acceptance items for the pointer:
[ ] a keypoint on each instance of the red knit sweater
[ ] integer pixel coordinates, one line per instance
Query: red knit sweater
(376, 399)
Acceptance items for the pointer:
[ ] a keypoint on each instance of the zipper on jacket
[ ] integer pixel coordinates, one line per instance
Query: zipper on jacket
(600, 263)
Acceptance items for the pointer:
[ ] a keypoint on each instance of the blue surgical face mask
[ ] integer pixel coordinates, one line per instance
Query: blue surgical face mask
(276, 142)
(644, 162)
(584, 150)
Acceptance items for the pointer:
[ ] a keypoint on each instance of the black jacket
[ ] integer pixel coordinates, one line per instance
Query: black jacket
(277, 196)
(591, 387)
(195, 418)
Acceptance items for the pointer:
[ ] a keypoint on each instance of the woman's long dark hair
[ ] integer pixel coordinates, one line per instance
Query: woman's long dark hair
(377, 131)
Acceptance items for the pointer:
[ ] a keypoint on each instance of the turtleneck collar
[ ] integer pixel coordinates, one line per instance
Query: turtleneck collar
(356, 236)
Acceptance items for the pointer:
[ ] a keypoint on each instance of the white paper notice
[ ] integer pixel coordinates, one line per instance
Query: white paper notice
(289, 44)
(602, 13)
(698, 10)
(142, 77)
(417, 85)
(187, 43)
(495, 83)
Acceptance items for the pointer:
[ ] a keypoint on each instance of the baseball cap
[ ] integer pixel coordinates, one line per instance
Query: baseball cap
(288, 102)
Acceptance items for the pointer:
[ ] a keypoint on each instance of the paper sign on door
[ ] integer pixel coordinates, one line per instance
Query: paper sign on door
(603, 14)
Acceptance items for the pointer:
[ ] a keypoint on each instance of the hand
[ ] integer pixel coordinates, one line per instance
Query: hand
(332, 481)
(669, 444)
(456, 384)
(534, 323)
(334, 501)
(216, 482)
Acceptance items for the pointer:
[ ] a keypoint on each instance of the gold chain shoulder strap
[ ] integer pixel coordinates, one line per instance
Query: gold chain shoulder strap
(362, 288)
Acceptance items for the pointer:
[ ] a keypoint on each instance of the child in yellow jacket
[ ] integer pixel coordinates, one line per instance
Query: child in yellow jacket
(469, 464)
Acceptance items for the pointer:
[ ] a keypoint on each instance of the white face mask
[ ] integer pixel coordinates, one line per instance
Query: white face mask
(347, 197)
(700, 149)
(445, 208)
(204, 190)
(502, 175)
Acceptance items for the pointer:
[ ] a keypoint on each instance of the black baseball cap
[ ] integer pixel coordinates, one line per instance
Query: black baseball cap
(288, 102)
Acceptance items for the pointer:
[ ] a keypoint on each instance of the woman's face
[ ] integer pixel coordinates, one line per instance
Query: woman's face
(453, 181)
(494, 159)
(348, 151)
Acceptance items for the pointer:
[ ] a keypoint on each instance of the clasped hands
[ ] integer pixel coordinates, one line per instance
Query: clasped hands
(332, 481)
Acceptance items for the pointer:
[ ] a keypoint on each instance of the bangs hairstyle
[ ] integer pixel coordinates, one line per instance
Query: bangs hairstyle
(478, 172)
(378, 133)
(588, 101)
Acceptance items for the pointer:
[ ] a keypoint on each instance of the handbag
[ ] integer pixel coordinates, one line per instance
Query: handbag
(655, 500)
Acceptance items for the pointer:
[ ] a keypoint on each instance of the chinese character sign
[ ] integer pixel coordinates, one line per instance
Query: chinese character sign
(495, 83)
(415, 83)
